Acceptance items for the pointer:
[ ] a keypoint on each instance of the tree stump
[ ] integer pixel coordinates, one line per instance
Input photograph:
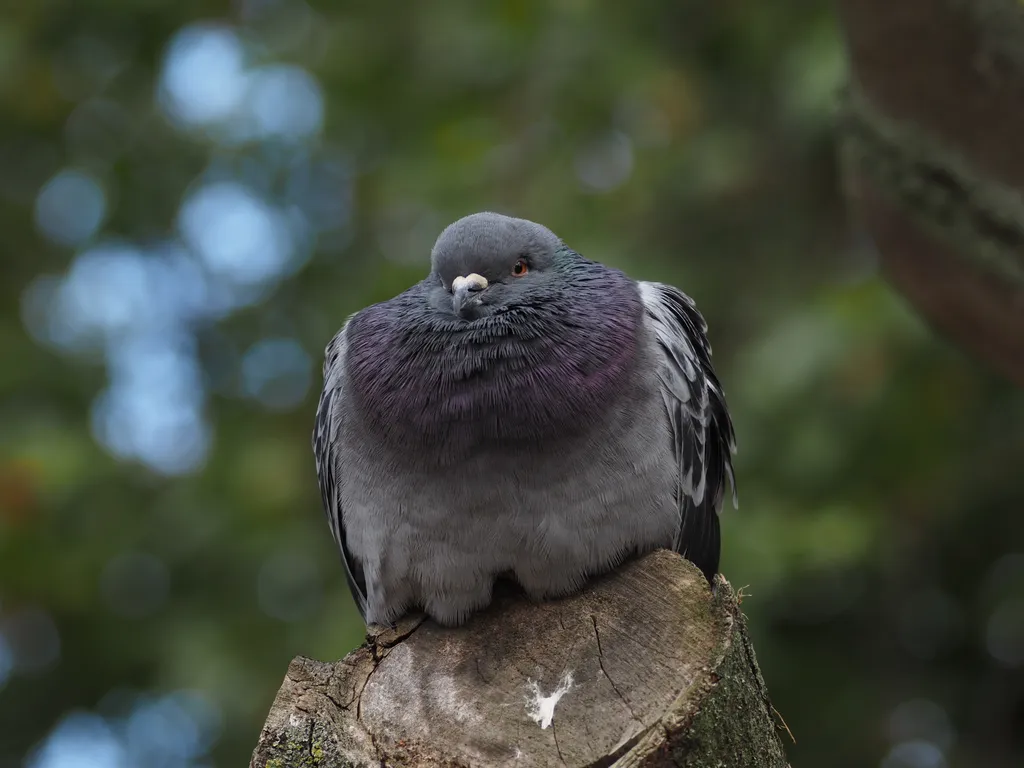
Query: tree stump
(934, 161)
(644, 668)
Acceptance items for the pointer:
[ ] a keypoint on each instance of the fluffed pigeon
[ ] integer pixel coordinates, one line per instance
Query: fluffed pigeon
(524, 412)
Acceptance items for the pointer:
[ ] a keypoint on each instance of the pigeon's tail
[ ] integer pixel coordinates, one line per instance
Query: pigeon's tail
(700, 532)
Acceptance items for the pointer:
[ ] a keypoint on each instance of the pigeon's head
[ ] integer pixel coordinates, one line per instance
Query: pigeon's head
(487, 263)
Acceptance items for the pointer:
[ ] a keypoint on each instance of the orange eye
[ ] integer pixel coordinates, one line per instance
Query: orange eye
(519, 268)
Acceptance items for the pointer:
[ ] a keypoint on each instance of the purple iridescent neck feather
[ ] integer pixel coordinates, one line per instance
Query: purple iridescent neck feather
(536, 371)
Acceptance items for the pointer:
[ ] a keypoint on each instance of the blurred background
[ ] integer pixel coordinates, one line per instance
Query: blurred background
(194, 195)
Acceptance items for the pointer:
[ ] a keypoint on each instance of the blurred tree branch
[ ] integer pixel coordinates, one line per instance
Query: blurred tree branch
(935, 163)
(645, 668)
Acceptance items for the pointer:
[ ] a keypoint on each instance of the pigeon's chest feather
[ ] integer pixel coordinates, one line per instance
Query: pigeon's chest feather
(529, 374)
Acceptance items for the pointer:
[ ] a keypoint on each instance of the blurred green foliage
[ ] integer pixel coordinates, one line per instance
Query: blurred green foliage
(879, 530)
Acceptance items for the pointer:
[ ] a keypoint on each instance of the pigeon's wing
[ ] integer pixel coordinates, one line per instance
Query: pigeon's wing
(702, 434)
(325, 449)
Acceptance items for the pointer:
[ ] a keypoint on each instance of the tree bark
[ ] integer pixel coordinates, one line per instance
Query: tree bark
(934, 160)
(644, 668)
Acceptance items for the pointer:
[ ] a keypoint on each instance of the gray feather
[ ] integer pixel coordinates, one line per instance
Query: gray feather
(702, 433)
(325, 436)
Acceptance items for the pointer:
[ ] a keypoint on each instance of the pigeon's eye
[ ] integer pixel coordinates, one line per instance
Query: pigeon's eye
(519, 268)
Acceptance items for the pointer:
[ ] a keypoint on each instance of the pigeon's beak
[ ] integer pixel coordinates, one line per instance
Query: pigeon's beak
(466, 293)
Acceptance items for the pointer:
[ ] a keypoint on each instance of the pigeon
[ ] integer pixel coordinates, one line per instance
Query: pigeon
(521, 413)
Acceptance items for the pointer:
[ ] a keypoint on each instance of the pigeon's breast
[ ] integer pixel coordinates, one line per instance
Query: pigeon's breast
(534, 374)
(549, 515)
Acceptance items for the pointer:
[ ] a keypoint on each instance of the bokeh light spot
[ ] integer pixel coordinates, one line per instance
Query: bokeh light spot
(285, 103)
(1004, 633)
(39, 313)
(152, 409)
(914, 754)
(205, 715)
(236, 234)
(203, 79)
(169, 727)
(321, 187)
(6, 660)
(605, 163)
(33, 640)
(174, 730)
(277, 372)
(114, 289)
(80, 740)
(70, 207)
(105, 290)
(921, 719)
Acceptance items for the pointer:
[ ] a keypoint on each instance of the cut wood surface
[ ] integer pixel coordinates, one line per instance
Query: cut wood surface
(644, 668)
